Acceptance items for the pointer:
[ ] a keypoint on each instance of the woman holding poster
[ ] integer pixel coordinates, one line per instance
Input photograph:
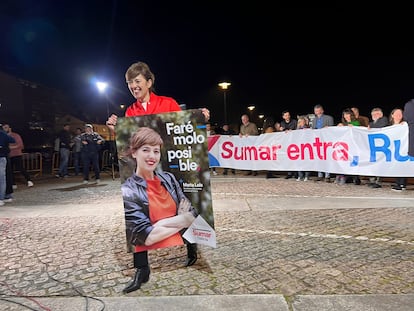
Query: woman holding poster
(140, 80)
(156, 209)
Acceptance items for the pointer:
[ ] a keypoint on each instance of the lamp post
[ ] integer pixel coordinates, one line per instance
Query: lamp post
(224, 86)
(251, 113)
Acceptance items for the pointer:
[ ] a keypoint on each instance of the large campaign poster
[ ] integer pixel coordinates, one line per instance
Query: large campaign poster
(184, 153)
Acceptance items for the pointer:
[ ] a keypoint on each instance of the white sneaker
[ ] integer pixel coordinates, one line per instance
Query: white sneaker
(298, 179)
(14, 187)
(30, 183)
(214, 173)
(1, 203)
(306, 179)
(9, 200)
(85, 182)
(98, 181)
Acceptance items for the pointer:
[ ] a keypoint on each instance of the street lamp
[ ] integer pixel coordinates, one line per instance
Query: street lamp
(111, 148)
(101, 88)
(224, 86)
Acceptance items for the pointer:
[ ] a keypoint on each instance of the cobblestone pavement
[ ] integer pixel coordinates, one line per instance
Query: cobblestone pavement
(274, 236)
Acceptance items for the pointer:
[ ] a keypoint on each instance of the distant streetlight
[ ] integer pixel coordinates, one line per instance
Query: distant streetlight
(101, 88)
(224, 86)
(251, 113)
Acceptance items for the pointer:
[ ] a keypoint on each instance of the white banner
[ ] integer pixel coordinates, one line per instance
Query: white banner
(200, 232)
(336, 149)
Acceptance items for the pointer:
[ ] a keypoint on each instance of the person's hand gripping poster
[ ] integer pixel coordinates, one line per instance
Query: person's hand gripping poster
(165, 180)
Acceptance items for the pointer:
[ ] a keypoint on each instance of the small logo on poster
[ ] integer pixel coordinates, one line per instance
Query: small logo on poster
(192, 187)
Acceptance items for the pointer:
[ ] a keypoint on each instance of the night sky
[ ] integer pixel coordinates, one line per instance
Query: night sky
(276, 58)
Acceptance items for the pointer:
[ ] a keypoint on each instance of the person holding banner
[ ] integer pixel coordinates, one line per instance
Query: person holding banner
(363, 120)
(268, 127)
(302, 124)
(322, 120)
(226, 130)
(211, 132)
(140, 80)
(156, 209)
(378, 121)
(248, 128)
(409, 118)
(288, 124)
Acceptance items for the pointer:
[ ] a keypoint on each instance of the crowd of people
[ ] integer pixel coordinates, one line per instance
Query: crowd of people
(85, 146)
(156, 209)
(148, 196)
(11, 160)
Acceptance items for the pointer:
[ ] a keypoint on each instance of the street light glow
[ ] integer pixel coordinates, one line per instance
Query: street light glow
(101, 86)
(224, 86)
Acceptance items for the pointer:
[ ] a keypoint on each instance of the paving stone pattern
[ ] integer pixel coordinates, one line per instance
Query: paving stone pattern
(259, 250)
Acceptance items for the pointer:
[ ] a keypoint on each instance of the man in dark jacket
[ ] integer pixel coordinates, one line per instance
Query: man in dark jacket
(5, 140)
(65, 143)
(378, 121)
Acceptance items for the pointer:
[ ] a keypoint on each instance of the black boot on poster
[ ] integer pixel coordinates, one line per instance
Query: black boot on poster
(191, 254)
(141, 276)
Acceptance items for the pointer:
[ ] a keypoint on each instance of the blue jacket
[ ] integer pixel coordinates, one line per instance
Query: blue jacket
(91, 140)
(5, 140)
(135, 196)
(409, 118)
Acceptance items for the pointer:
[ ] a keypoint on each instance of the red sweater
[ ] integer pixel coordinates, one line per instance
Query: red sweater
(161, 205)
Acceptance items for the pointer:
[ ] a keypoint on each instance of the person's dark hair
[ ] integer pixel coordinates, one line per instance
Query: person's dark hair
(140, 68)
(143, 136)
(348, 111)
